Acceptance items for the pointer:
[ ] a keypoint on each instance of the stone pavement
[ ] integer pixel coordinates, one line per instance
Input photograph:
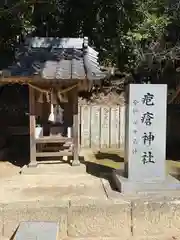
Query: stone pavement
(85, 206)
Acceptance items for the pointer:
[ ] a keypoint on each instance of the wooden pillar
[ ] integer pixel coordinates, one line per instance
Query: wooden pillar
(32, 126)
(75, 161)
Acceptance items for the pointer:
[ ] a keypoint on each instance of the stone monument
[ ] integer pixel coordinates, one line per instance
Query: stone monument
(145, 141)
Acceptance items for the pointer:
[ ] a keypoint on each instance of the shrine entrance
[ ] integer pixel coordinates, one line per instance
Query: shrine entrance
(51, 71)
(53, 119)
(15, 105)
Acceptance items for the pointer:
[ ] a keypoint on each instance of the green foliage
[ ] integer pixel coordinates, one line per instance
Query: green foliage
(125, 32)
(150, 27)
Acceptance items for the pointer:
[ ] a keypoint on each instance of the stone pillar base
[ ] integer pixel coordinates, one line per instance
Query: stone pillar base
(124, 185)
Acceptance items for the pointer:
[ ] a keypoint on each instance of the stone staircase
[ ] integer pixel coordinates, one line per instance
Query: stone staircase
(85, 206)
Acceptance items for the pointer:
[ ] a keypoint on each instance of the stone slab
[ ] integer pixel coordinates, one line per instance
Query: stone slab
(156, 217)
(51, 189)
(145, 134)
(54, 169)
(127, 186)
(99, 219)
(37, 230)
(15, 213)
(25, 181)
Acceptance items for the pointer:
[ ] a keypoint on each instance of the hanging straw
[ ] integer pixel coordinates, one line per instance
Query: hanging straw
(51, 116)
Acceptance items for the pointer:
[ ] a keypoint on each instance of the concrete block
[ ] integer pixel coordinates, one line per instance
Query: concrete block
(156, 217)
(99, 219)
(14, 213)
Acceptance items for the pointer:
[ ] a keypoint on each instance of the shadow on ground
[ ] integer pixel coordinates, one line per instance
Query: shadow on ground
(16, 150)
(100, 171)
(173, 151)
(110, 156)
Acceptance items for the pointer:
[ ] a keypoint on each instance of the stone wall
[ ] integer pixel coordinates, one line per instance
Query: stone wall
(140, 218)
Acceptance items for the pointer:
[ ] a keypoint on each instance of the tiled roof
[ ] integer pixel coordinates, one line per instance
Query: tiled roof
(57, 58)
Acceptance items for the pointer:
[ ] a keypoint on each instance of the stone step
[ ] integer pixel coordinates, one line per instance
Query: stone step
(61, 180)
(77, 219)
(49, 193)
(55, 168)
(33, 187)
(93, 219)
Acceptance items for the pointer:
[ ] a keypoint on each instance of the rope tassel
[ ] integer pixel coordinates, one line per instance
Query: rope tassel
(51, 116)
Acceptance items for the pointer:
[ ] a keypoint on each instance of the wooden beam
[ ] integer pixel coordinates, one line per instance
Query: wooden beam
(37, 79)
(54, 154)
(75, 161)
(15, 79)
(53, 139)
(32, 127)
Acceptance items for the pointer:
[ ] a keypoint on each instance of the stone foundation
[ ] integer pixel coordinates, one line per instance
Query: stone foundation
(148, 218)
(127, 186)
